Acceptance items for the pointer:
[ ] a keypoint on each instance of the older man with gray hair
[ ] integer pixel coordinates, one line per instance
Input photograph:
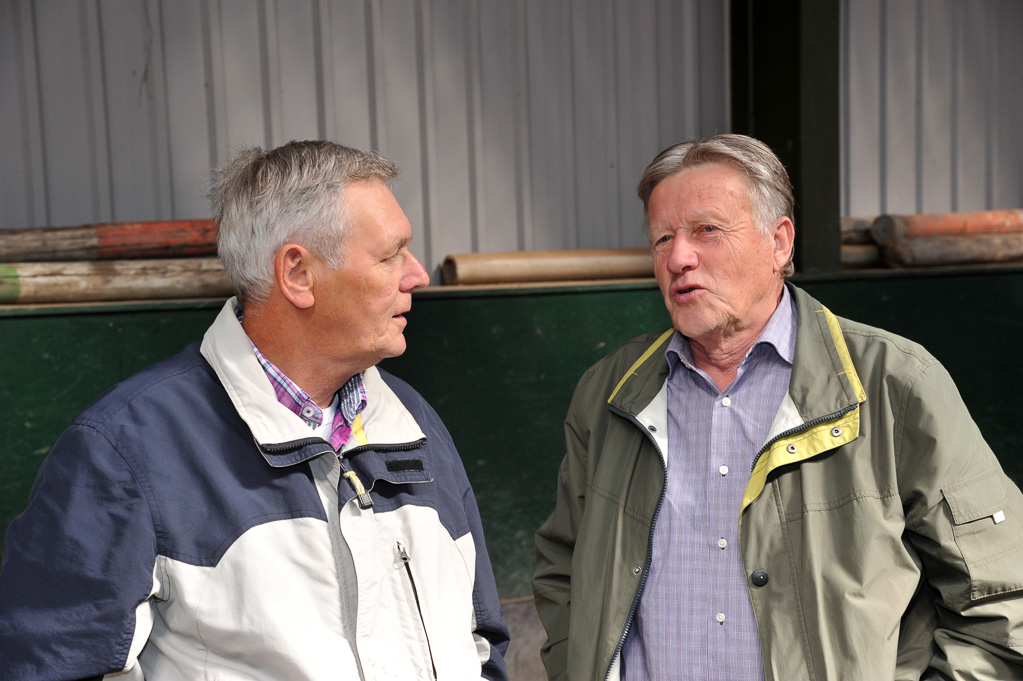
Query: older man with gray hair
(269, 505)
(765, 490)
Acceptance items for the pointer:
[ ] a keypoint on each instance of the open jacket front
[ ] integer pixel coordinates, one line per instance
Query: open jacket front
(188, 526)
(871, 507)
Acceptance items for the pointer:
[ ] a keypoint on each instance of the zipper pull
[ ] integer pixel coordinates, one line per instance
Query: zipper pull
(402, 554)
(365, 501)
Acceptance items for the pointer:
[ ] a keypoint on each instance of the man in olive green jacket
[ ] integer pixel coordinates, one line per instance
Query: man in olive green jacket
(879, 537)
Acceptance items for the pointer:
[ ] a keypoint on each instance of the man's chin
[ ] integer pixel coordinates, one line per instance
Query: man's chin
(395, 347)
(691, 326)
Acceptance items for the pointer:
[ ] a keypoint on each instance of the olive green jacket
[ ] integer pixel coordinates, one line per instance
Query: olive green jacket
(891, 538)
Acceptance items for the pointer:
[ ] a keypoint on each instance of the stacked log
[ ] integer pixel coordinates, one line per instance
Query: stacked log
(176, 259)
(992, 236)
(858, 248)
(111, 261)
(110, 241)
(532, 266)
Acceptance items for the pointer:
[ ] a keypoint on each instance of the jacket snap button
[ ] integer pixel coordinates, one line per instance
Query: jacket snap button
(759, 577)
(636, 570)
(836, 431)
(791, 449)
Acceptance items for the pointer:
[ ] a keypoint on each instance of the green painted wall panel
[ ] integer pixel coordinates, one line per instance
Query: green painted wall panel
(56, 361)
(500, 370)
(500, 367)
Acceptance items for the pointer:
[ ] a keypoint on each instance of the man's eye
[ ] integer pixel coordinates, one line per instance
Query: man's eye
(708, 228)
(663, 239)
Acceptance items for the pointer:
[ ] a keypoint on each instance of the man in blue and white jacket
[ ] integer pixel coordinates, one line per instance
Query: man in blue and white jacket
(268, 505)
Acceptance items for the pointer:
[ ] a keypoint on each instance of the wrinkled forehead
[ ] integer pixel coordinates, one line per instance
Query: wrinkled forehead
(707, 188)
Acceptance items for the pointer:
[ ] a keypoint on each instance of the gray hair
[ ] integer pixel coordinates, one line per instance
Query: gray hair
(263, 199)
(770, 191)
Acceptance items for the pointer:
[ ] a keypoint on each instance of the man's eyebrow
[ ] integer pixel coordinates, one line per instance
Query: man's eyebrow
(398, 243)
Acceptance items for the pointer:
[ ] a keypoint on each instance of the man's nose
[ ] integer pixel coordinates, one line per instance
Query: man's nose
(682, 255)
(416, 276)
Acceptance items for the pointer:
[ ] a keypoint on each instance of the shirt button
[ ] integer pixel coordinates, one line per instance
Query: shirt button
(726, 400)
(722, 543)
(720, 618)
(723, 470)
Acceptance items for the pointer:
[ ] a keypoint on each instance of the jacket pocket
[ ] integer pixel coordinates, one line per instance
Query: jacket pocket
(988, 532)
(415, 607)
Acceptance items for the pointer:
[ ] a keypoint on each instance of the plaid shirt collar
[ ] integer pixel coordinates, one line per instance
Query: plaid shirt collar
(351, 398)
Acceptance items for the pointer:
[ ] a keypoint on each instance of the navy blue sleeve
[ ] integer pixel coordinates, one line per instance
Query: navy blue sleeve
(76, 564)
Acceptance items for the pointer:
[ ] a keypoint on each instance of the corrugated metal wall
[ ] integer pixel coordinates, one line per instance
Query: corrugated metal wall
(518, 124)
(933, 109)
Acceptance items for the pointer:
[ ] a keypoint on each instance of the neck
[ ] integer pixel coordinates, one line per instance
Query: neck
(721, 354)
(720, 363)
(268, 325)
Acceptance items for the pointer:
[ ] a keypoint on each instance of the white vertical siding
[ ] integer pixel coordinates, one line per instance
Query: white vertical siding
(520, 124)
(22, 179)
(933, 95)
(551, 221)
(190, 136)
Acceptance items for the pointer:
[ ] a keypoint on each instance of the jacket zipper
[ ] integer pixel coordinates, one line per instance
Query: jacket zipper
(788, 433)
(650, 541)
(362, 494)
(798, 429)
(660, 501)
(365, 500)
(419, 608)
(295, 444)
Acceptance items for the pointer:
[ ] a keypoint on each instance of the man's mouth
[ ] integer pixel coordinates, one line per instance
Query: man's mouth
(683, 293)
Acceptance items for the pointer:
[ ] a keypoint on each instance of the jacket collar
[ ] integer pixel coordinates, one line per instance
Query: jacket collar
(821, 405)
(823, 382)
(644, 379)
(283, 437)
(820, 411)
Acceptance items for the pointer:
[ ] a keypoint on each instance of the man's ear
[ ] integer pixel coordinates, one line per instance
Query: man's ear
(294, 276)
(784, 237)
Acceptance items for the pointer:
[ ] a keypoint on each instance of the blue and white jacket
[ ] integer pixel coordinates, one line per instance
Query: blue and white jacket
(188, 526)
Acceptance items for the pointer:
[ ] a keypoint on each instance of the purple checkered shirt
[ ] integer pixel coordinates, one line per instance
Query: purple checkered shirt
(351, 398)
(695, 619)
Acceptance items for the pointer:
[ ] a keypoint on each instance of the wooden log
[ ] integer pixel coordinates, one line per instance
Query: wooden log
(66, 282)
(530, 266)
(953, 250)
(860, 255)
(888, 228)
(110, 241)
(856, 230)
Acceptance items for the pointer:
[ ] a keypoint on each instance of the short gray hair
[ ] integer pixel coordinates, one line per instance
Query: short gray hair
(770, 190)
(263, 199)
